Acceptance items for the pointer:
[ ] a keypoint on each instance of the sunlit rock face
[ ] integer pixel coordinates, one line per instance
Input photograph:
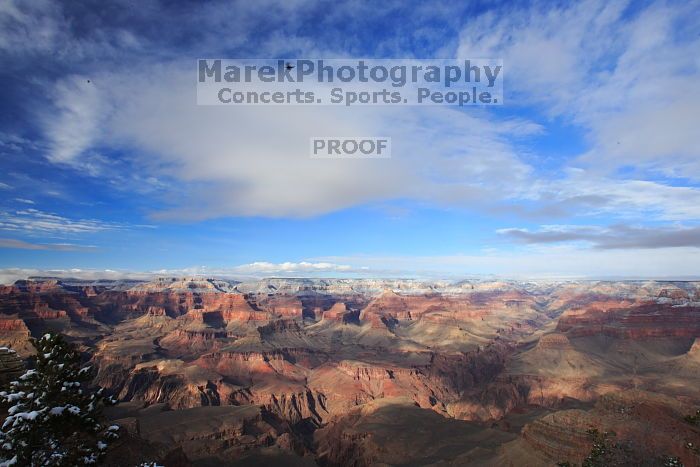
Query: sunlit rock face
(330, 368)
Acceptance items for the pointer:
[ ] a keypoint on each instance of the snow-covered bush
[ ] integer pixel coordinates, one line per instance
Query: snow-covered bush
(54, 417)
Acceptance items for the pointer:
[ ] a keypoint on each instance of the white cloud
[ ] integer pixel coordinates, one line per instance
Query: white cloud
(531, 263)
(626, 76)
(33, 221)
(589, 194)
(10, 275)
(537, 261)
(259, 269)
(75, 124)
(611, 237)
(254, 161)
(262, 267)
(237, 161)
(22, 245)
(602, 70)
(30, 26)
(629, 77)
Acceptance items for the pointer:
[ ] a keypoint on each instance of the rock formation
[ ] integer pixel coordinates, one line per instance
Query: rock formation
(340, 371)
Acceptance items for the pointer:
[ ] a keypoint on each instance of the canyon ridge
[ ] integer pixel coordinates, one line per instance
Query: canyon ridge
(360, 372)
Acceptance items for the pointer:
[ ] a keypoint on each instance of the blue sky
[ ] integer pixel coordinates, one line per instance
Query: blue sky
(591, 169)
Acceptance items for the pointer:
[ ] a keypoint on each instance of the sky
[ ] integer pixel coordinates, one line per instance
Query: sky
(591, 168)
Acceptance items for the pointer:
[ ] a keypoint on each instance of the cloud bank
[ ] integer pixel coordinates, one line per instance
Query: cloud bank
(612, 237)
(115, 100)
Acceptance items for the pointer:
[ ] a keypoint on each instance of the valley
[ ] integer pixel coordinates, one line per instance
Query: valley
(378, 372)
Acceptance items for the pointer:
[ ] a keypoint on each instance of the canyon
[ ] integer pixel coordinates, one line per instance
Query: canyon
(360, 372)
